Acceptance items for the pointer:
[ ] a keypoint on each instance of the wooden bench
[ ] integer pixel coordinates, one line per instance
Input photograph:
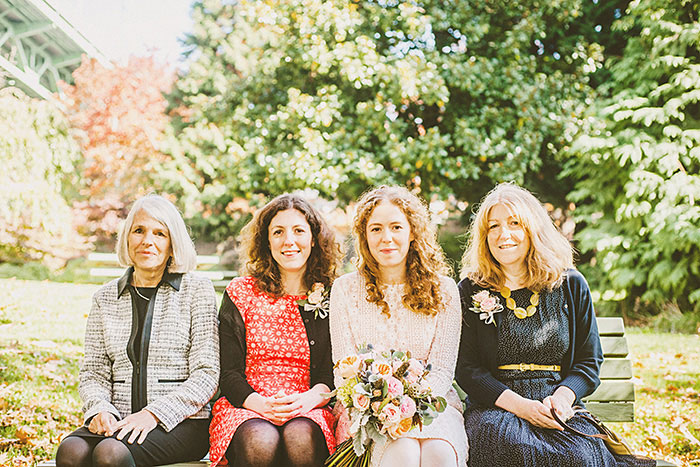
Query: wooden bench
(106, 266)
(613, 401)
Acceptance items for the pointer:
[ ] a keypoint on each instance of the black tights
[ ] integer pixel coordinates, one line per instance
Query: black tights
(259, 443)
(80, 452)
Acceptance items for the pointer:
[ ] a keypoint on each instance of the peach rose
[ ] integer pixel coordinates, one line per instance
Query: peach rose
(360, 401)
(390, 415)
(348, 367)
(400, 429)
(375, 406)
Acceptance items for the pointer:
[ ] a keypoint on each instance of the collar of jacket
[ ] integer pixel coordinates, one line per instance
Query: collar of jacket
(174, 279)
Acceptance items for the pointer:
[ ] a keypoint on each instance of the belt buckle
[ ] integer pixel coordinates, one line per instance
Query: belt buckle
(526, 367)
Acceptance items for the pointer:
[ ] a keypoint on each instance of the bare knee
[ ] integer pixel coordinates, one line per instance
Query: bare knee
(403, 452)
(437, 453)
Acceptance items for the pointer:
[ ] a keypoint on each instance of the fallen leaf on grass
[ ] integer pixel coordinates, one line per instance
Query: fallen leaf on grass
(25, 434)
(658, 438)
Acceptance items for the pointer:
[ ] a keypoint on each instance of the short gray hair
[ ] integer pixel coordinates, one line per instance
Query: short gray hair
(184, 258)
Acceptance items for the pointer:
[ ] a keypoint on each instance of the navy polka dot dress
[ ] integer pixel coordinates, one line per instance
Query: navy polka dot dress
(500, 438)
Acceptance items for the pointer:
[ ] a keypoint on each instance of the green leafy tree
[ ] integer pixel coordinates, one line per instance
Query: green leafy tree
(445, 97)
(37, 182)
(638, 162)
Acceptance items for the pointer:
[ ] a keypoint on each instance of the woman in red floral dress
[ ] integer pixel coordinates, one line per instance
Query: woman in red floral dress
(276, 368)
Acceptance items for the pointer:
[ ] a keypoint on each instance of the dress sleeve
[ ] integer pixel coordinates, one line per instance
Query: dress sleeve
(445, 343)
(583, 376)
(95, 385)
(321, 363)
(473, 374)
(203, 359)
(342, 343)
(233, 383)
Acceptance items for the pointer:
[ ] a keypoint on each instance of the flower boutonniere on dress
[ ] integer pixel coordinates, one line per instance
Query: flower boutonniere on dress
(317, 300)
(486, 305)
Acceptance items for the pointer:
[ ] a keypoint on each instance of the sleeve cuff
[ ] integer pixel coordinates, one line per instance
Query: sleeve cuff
(579, 385)
(102, 406)
(165, 416)
(240, 396)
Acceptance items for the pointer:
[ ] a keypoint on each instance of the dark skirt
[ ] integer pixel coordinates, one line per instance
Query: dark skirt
(188, 441)
(498, 437)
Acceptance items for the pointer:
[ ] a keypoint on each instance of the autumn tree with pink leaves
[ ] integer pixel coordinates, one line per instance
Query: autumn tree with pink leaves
(119, 116)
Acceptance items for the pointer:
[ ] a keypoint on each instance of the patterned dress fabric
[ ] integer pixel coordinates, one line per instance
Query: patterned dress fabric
(498, 437)
(434, 339)
(277, 359)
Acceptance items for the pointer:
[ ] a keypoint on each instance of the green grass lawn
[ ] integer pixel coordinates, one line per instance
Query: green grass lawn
(41, 334)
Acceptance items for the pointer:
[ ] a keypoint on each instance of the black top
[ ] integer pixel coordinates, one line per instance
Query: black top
(141, 305)
(233, 350)
(141, 323)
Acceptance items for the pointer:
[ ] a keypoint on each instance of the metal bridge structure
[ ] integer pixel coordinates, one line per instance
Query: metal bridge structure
(39, 47)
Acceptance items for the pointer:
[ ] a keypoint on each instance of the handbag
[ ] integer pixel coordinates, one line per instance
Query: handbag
(613, 442)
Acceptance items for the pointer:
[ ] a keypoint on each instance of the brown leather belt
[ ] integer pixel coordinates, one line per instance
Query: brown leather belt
(530, 367)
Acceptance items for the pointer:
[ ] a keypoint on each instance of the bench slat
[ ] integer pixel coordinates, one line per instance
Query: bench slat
(611, 326)
(613, 390)
(612, 411)
(616, 368)
(614, 346)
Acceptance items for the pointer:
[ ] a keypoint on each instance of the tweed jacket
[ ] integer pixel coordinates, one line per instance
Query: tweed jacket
(180, 351)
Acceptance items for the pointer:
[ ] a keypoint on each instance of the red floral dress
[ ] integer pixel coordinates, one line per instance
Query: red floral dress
(277, 359)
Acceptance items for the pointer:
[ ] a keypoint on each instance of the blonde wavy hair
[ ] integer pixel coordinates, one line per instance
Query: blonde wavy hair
(550, 253)
(425, 260)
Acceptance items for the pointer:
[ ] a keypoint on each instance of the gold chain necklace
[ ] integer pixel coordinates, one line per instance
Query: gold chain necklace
(519, 311)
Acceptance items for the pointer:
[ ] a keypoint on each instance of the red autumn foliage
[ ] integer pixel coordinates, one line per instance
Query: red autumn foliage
(119, 114)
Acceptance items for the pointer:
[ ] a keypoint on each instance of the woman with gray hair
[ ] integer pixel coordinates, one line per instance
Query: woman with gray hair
(151, 351)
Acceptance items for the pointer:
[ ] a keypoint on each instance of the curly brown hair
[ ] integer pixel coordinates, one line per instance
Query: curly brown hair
(324, 259)
(425, 260)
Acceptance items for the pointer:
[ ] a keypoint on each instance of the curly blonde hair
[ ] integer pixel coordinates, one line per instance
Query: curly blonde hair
(550, 253)
(425, 260)
(323, 262)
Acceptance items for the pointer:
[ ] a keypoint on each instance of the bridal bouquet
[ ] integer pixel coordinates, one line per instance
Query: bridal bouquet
(386, 395)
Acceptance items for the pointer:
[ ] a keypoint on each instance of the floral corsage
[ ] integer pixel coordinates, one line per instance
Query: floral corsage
(486, 305)
(317, 300)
